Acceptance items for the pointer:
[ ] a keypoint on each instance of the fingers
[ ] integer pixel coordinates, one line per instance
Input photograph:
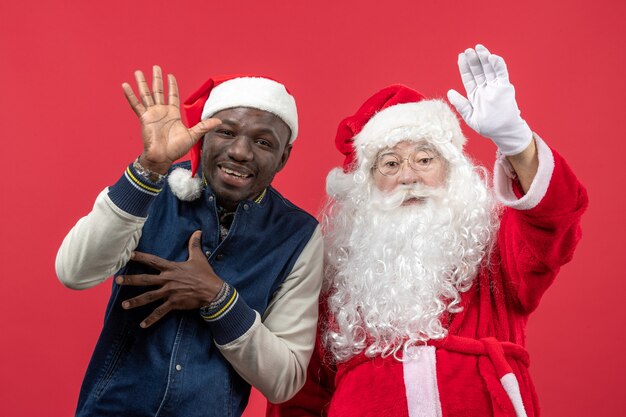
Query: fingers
(478, 66)
(157, 96)
(469, 83)
(144, 91)
(142, 300)
(198, 131)
(139, 280)
(195, 245)
(151, 260)
(475, 65)
(483, 55)
(172, 88)
(499, 67)
(157, 84)
(462, 105)
(146, 298)
(132, 99)
(156, 315)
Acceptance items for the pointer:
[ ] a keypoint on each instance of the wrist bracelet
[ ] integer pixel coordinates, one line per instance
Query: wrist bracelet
(220, 296)
(148, 175)
(208, 310)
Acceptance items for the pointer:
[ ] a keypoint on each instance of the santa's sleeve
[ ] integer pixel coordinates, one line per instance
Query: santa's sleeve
(314, 397)
(540, 229)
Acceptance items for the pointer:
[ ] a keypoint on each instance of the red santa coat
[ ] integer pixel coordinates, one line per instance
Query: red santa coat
(481, 367)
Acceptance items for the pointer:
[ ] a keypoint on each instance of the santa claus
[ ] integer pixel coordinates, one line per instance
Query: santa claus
(432, 274)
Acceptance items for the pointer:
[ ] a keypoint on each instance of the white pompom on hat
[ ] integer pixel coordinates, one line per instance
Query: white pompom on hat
(218, 94)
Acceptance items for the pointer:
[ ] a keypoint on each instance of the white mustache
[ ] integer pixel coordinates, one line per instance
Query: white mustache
(405, 192)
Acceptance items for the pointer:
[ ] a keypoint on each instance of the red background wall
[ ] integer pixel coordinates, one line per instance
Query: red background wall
(66, 132)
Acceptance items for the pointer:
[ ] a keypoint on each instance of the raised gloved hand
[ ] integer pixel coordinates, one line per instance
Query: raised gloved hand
(490, 107)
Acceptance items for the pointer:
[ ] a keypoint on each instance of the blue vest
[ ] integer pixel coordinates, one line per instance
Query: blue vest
(173, 368)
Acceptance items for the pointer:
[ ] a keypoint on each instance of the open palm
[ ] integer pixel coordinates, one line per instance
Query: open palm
(165, 137)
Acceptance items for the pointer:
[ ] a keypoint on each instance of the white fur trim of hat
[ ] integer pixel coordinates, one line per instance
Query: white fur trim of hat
(432, 120)
(255, 92)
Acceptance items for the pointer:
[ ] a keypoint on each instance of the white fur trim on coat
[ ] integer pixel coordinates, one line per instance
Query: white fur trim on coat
(257, 93)
(511, 386)
(420, 383)
(503, 175)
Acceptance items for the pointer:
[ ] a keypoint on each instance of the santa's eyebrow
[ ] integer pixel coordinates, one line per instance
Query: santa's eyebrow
(426, 148)
(387, 152)
(418, 148)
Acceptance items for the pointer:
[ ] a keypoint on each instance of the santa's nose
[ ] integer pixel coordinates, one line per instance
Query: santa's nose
(407, 175)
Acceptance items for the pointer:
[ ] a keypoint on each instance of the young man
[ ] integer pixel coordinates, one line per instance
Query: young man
(216, 274)
(429, 281)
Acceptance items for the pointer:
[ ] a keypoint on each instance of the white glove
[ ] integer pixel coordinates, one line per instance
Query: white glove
(490, 107)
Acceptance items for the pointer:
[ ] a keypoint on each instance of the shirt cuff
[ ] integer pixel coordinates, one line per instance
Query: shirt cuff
(133, 193)
(230, 318)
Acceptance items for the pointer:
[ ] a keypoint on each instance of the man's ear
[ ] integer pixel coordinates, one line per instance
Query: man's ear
(284, 157)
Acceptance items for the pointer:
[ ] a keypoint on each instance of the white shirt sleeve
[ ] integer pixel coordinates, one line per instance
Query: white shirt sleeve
(98, 245)
(274, 353)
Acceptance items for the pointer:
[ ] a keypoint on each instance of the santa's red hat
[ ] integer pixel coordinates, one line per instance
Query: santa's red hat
(222, 93)
(394, 114)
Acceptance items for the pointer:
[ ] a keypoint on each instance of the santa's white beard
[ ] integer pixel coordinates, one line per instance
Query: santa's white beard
(393, 269)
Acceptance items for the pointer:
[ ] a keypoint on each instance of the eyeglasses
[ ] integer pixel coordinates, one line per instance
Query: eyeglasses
(389, 164)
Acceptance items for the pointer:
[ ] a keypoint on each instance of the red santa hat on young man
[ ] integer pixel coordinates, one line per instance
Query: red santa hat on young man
(218, 94)
(392, 115)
